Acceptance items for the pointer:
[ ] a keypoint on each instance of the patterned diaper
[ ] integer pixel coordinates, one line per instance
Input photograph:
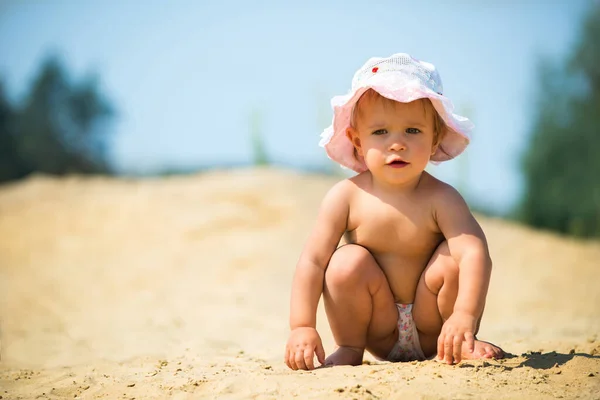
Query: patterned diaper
(407, 348)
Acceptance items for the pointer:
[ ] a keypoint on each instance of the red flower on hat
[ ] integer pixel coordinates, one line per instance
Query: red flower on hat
(375, 69)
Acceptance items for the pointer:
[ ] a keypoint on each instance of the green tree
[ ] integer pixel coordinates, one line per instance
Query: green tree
(11, 166)
(63, 127)
(562, 165)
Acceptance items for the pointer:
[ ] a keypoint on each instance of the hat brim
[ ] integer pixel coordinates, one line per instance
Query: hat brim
(341, 150)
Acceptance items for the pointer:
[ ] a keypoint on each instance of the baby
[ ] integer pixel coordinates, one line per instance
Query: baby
(411, 279)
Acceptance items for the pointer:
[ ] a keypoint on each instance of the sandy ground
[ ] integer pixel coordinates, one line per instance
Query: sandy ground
(179, 288)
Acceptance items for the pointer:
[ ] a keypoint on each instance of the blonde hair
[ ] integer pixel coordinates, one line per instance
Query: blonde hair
(439, 125)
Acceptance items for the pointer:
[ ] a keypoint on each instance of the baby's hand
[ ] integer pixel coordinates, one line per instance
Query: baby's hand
(301, 347)
(458, 328)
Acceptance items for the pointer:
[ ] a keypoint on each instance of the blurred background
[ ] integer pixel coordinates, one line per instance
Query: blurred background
(162, 88)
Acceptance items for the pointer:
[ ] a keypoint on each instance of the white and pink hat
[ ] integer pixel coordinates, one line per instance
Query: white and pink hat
(402, 78)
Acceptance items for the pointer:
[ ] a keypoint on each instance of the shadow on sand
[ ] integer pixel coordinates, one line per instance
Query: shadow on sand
(536, 360)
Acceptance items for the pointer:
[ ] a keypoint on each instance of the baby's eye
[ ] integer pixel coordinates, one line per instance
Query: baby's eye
(380, 132)
(412, 130)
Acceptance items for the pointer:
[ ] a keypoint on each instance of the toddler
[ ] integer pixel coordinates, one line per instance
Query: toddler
(411, 278)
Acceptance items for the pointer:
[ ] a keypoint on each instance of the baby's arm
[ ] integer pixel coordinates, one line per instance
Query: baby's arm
(308, 281)
(468, 246)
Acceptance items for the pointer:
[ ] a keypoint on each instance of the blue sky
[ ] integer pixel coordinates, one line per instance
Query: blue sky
(186, 76)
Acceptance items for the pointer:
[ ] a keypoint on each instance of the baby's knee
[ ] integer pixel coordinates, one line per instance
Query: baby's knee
(349, 264)
(444, 262)
(441, 270)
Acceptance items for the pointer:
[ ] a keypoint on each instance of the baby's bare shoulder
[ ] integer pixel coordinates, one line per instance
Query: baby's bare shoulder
(338, 197)
(451, 212)
(360, 181)
(438, 191)
(343, 189)
(443, 199)
(353, 186)
(433, 193)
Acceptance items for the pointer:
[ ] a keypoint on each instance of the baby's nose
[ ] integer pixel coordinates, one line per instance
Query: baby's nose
(397, 145)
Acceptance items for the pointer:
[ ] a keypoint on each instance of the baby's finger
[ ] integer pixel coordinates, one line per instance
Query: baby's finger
(470, 339)
(286, 358)
(292, 361)
(448, 349)
(440, 346)
(457, 348)
(320, 353)
(299, 357)
(309, 357)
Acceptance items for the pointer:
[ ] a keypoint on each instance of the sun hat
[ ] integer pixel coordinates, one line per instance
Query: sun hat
(402, 78)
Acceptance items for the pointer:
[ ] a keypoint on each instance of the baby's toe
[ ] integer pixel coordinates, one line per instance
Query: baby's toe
(493, 353)
(488, 352)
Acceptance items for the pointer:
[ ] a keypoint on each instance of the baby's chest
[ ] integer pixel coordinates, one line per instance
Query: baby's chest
(385, 228)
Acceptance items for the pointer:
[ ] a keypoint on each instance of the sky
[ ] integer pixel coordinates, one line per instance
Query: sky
(187, 77)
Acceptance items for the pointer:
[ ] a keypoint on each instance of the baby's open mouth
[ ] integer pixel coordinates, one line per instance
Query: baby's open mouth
(398, 163)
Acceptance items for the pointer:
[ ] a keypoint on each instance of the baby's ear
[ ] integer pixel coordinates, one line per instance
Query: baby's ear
(437, 140)
(352, 135)
(434, 148)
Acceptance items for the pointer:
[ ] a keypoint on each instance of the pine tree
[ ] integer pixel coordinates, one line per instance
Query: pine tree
(562, 163)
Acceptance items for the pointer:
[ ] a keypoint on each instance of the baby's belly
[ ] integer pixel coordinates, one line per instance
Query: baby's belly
(403, 274)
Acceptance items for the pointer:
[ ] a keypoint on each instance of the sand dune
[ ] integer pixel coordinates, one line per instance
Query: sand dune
(179, 288)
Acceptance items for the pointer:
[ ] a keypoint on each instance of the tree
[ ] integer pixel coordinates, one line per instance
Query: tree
(562, 166)
(11, 165)
(62, 127)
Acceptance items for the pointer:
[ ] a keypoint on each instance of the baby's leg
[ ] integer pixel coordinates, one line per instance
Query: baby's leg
(360, 306)
(434, 303)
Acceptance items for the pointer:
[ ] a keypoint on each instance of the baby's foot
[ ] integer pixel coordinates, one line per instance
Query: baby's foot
(345, 356)
(482, 350)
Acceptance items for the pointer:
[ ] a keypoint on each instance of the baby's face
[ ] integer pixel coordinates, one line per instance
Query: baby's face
(395, 139)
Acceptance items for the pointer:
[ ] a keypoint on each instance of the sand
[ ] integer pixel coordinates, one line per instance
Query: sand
(179, 287)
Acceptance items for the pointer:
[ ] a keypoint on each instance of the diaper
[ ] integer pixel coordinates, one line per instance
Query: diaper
(408, 347)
